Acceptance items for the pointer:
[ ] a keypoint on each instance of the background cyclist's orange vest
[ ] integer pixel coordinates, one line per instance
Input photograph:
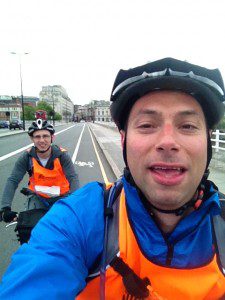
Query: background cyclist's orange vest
(48, 178)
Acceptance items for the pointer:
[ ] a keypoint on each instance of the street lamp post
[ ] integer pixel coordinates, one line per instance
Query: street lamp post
(53, 107)
(21, 84)
(66, 111)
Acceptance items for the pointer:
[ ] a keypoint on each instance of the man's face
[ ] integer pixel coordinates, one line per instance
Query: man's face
(166, 147)
(42, 139)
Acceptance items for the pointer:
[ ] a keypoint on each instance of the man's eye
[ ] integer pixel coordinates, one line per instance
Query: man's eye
(189, 126)
(146, 125)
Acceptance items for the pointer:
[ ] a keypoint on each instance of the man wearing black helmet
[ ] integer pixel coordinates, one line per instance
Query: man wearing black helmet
(51, 173)
(158, 232)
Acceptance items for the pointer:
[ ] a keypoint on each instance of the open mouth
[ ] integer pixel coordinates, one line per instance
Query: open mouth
(168, 175)
(168, 170)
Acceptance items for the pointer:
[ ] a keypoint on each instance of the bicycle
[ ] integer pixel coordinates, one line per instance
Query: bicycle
(27, 219)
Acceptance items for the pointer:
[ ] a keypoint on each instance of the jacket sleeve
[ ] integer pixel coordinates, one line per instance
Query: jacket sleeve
(14, 179)
(69, 170)
(63, 247)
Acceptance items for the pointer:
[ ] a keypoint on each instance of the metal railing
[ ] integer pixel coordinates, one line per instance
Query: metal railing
(219, 140)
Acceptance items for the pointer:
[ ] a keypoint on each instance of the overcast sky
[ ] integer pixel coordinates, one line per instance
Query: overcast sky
(81, 44)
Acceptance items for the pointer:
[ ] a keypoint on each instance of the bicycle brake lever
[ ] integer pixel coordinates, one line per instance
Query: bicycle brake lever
(10, 224)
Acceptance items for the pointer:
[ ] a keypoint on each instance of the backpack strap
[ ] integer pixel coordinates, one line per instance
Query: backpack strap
(30, 166)
(219, 232)
(111, 214)
(222, 204)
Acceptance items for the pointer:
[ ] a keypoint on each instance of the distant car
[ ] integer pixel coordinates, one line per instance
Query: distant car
(4, 124)
(15, 124)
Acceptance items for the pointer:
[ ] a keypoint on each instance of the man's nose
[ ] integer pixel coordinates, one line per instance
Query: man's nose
(167, 140)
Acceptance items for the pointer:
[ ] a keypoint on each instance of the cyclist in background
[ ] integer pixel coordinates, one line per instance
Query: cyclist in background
(50, 168)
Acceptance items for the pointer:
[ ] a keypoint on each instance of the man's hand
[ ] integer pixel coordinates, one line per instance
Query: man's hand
(7, 215)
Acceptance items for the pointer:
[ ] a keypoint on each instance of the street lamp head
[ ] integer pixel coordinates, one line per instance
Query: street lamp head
(12, 52)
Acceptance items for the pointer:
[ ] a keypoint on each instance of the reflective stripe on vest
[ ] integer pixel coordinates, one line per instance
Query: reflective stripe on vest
(200, 283)
(48, 178)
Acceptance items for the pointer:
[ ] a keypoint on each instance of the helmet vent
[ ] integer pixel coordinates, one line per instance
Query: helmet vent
(39, 123)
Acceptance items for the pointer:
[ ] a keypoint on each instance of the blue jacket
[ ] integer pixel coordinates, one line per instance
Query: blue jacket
(69, 238)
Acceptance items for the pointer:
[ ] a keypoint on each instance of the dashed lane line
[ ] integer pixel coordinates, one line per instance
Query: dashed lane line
(99, 160)
(77, 146)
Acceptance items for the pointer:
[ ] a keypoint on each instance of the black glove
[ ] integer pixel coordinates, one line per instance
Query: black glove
(7, 215)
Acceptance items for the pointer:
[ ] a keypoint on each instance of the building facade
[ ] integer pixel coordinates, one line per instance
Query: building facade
(80, 113)
(96, 110)
(30, 101)
(102, 114)
(57, 97)
(10, 108)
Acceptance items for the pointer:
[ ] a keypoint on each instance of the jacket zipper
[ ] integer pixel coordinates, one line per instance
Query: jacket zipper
(169, 256)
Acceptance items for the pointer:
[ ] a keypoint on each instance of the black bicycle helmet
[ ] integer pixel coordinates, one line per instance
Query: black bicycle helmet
(40, 124)
(205, 85)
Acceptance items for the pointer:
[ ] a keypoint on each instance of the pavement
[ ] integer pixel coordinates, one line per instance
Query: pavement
(7, 132)
(108, 139)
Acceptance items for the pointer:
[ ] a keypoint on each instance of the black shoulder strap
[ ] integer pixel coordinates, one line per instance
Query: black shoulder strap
(111, 215)
(222, 204)
(219, 230)
(30, 165)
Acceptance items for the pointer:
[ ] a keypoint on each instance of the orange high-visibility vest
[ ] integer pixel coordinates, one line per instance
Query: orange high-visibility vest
(48, 178)
(206, 282)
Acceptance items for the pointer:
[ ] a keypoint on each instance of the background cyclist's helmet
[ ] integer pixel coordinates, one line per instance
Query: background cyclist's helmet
(40, 124)
(205, 85)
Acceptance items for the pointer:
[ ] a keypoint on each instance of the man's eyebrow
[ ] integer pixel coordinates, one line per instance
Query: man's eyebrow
(188, 113)
(147, 111)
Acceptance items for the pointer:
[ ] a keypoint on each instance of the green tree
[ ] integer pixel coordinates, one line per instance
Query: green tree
(29, 112)
(48, 108)
(58, 117)
(221, 125)
(44, 106)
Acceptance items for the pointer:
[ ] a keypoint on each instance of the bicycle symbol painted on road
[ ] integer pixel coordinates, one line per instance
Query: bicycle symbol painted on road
(89, 164)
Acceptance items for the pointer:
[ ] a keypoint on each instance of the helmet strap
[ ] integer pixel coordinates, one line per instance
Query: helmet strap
(209, 149)
(125, 150)
(195, 202)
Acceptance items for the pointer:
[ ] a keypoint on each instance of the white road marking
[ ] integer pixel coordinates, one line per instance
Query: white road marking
(28, 146)
(99, 160)
(77, 146)
(90, 164)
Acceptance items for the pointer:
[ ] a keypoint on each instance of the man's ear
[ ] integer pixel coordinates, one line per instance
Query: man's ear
(53, 137)
(122, 136)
